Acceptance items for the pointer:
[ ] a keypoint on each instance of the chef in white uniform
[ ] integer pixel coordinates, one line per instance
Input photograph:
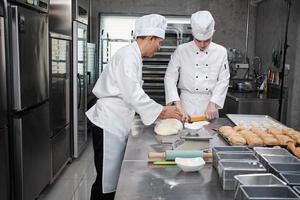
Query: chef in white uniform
(202, 69)
(120, 95)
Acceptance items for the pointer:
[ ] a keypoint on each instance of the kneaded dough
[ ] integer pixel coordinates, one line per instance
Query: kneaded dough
(168, 127)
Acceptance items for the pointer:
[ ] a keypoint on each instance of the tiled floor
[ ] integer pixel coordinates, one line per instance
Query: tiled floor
(75, 181)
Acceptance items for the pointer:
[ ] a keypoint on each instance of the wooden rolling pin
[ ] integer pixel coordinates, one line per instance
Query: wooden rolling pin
(196, 118)
(172, 154)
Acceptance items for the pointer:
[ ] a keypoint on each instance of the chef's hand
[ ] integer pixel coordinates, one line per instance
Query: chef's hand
(211, 111)
(170, 112)
(179, 107)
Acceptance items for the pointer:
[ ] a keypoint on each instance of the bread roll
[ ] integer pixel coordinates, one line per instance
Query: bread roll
(286, 130)
(275, 131)
(257, 131)
(246, 132)
(270, 140)
(237, 140)
(283, 139)
(228, 132)
(223, 128)
(254, 141)
(239, 128)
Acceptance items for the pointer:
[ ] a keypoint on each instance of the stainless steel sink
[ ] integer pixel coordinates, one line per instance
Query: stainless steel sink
(228, 169)
(267, 192)
(255, 179)
(234, 156)
(291, 179)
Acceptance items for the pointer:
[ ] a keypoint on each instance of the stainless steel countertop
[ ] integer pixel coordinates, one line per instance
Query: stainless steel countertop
(142, 180)
(250, 96)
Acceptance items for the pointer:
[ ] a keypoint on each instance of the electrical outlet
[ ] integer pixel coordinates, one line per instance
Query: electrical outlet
(241, 66)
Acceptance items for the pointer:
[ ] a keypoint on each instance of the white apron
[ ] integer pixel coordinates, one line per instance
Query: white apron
(194, 104)
(114, 148)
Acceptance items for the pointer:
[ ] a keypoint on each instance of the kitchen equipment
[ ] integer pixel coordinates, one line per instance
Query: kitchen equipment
(244, 86)
(297, 189)
(270, 159)
(278, 168)
(268, 192)
(255, 179)
(258, 120)
(190, 164)
(230, 149)
(259, 151)
(28, 25)
(80, 86)
(233, 156)
(172, 154)
(291, 179)
(196, 118)
(4, 134)
(227, 170)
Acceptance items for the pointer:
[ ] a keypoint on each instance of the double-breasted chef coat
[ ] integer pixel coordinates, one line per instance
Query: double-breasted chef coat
(202, 76)
(120, 95)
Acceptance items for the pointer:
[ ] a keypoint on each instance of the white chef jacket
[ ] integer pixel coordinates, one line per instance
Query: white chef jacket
(203, 75)
(120, 94)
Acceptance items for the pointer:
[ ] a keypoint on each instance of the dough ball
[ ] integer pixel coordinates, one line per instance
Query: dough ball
(270, 140)
(222, 129)
(237, 140)
(239, 128)
(168, 127)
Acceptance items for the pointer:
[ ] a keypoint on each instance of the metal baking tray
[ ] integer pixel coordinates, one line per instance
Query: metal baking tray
(271, 151)
(268, 192)
(255, 179)
(233, 156)
(227, 170)
(249, 120)
(271, 159)
(277, 168)
(236, 149)
(291, 179)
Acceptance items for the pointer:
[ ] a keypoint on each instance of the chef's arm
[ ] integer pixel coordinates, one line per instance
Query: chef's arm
(220, 90)
(134, 95)
(171, 79)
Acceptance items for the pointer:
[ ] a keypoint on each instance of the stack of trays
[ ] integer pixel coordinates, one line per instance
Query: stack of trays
(280, 168)
(228, 169)
(255, 180)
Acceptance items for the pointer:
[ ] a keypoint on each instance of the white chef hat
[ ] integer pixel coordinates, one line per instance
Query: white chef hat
(203, 25)
(150, 25)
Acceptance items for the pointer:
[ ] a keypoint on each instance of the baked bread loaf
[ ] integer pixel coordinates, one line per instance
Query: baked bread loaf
(270, 140)
(254, 140)
(224, 128)
(284, 139)
(237, 140)
(239, 128)
(275, 131)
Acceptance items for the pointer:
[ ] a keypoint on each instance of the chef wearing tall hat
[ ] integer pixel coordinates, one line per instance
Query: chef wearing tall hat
(120, 96)
(202, 69)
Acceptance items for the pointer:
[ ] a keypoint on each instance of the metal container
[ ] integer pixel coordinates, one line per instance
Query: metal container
(271, 151)
(278, 168)
(291, 179)
(227, 170)
(236, 149)
(297, 189)
(270, 159)
(255, 179)
(233, 156)
(268, 192)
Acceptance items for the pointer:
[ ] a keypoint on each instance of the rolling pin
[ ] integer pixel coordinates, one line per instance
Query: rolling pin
(172, 154)
(196, 118)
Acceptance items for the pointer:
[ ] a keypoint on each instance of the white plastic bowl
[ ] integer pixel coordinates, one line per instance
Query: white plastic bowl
(190, 164)
(195, 125)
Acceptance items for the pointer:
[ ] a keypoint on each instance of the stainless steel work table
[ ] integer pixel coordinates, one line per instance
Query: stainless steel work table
(141, 180)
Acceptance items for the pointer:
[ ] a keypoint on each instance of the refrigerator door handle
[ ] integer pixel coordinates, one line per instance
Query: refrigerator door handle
(15, 58)
(79, 93)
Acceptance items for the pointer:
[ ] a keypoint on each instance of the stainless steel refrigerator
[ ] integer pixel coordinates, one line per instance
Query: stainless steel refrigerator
(79, 87)
(30, 96)
(60, 90)
(4, 154)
